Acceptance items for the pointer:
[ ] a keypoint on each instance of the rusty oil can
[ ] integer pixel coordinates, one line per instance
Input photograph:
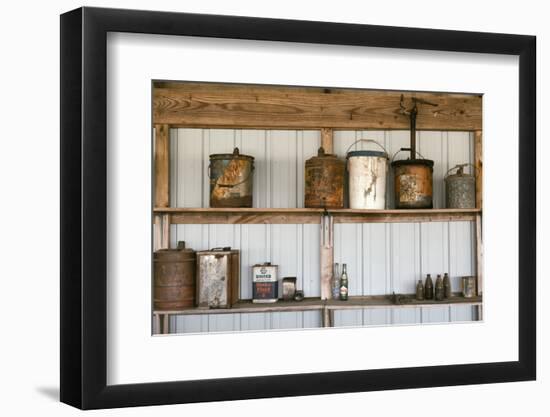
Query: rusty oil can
(174, 278)
(231, 177)
(218, 277)
(324, 181)
(265, 285)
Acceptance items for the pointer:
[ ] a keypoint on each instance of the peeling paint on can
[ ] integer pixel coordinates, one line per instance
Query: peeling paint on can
(367, 179)
(413, 183)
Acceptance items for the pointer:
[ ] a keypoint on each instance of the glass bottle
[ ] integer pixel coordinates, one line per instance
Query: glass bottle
(419, 290)
(447, 285)
(429, 288)
(344, 286)
(336, 282)
(439, 289)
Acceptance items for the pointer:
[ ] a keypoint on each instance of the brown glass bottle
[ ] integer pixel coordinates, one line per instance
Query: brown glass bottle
(429, 288)
(439, 289)
(419, 290)
(447, 285)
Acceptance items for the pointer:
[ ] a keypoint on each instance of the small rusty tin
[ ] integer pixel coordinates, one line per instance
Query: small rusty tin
(413, 182)
(460, 188)
(468, 287)
(289, 288)
(265, 284)
(174, 278)
(218, 277)
(324, 181)
(231, 176)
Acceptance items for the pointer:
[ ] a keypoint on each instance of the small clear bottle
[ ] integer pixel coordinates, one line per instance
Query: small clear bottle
(336, 282)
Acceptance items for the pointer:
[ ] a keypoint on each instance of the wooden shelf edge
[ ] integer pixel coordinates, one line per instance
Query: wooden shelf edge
(310, 216)
(312, 304)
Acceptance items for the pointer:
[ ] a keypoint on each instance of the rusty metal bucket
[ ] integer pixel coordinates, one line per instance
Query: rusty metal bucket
(413, 182)
(231, 178)
(174, 278)
(324, 181)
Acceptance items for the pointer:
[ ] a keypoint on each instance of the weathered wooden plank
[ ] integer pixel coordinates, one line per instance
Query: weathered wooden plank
(326, 256)
(327, 141)
(313, 304)
(165, 242)
(478, 163)
(479, 255)
(311, 216)
(162, 165)
(247, 106)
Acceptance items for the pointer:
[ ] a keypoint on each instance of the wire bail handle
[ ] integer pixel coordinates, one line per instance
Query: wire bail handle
(371, 141)
(461, 169)
(405, 150)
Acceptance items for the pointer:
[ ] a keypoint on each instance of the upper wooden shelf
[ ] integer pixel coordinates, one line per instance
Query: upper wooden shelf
(185, 104)
(306, 215)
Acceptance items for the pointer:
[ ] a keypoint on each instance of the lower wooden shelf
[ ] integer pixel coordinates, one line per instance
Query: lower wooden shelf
(315, 303)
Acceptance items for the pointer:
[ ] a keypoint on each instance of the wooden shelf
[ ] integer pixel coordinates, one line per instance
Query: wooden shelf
(306, 215)
(309, 304)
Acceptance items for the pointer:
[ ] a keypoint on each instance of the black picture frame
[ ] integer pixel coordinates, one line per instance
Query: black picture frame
(84, 207)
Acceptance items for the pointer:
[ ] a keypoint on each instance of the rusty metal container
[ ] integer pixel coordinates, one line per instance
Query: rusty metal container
(460, 188)
(218, 277)
(174, 278)
(413, 182)
(231, 176)
(265, 283)
(324, 178)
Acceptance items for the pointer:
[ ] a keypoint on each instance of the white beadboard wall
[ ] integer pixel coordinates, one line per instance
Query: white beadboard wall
(381, 258)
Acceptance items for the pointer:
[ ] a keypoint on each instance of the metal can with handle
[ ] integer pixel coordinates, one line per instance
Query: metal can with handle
(413, 183)
(460, 188)
(231, 177)
(367, 172)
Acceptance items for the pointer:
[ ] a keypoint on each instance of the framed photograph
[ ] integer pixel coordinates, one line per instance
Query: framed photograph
(256, 208)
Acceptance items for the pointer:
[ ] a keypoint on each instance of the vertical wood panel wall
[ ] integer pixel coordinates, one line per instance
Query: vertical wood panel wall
(381, 258)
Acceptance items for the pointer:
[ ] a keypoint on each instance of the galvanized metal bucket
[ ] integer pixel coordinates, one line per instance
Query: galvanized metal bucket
(460, 188)
(367, 171)
(231, 178)
(413, 181)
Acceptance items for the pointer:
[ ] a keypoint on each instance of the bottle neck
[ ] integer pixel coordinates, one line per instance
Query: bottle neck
(344, 269)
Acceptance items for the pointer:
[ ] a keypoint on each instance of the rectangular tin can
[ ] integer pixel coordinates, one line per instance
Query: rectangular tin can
(265, 285)
(217, 278)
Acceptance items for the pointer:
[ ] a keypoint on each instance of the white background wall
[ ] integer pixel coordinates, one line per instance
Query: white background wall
(30, 75)
(381, 258)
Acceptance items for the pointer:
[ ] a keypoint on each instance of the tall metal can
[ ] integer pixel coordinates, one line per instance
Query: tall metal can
(231, 176)
(218, 277)
(324, 181)
(174, 278)
(460, 188)
(367, 172)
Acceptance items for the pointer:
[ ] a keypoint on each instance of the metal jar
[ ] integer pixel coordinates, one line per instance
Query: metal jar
(324, 178)
(460, 188)
(367, 172)
(174, 278)
(218, 277)
(413, 182)
(231, 178)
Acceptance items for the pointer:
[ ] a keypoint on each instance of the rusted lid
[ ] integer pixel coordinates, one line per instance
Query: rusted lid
(322, 156)
(427, 162)
(235, 155)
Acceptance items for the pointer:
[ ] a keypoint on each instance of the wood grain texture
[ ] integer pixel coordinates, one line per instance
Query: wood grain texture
(311, 216)
(478, 163)
(316, 304)
(162, 165)
(327, 141)
(247, 106)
